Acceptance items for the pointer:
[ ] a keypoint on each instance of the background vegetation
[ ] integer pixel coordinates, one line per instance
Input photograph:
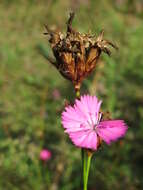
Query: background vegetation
(30, 111)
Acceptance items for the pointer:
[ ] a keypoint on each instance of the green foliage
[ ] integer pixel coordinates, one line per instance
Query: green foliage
(30, 115)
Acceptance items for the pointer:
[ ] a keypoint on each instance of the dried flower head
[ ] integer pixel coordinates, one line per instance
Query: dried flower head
(76, 54)
(86, 127)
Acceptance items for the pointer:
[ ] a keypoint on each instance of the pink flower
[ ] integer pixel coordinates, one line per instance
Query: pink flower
(83, 122)
(45, 155)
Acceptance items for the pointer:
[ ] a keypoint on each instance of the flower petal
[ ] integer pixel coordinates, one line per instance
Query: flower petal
(83, 113)
(71, 118)
(89, 107)
(85, 139)
(111, 130)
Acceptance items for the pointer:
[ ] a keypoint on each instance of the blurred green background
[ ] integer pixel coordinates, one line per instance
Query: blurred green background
(32, 95)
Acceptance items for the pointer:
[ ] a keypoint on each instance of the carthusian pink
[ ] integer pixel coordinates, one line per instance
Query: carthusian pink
(85, 127)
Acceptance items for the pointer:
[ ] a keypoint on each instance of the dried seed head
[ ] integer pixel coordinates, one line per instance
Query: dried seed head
(77, 54)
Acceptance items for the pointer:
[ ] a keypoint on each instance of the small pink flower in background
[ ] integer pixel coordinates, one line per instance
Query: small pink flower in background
(83, 122)
(45, 155)
(56, 94)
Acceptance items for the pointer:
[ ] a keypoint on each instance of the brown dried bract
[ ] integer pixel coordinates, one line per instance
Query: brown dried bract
(106, 116)
(77, 54)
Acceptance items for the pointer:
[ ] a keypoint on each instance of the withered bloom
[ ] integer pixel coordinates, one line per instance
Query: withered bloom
(76, 54)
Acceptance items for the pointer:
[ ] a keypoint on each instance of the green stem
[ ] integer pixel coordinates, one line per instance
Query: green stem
(78, 94)
(84, 165)
(88, 161)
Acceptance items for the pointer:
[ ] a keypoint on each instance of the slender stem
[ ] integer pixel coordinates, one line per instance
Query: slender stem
(77, 90)
(78, 94)
(84, 160)
(89, 156)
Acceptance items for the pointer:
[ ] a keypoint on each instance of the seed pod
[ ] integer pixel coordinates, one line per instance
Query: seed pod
(77, 54)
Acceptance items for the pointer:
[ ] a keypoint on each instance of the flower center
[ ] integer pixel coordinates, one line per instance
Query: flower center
(94, 120)
(97, 121)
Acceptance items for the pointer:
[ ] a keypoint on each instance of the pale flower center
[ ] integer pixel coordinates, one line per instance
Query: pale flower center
(94, 120)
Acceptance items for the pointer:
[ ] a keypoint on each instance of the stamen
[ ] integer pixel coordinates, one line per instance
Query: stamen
(98, 120)
(91, 123)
